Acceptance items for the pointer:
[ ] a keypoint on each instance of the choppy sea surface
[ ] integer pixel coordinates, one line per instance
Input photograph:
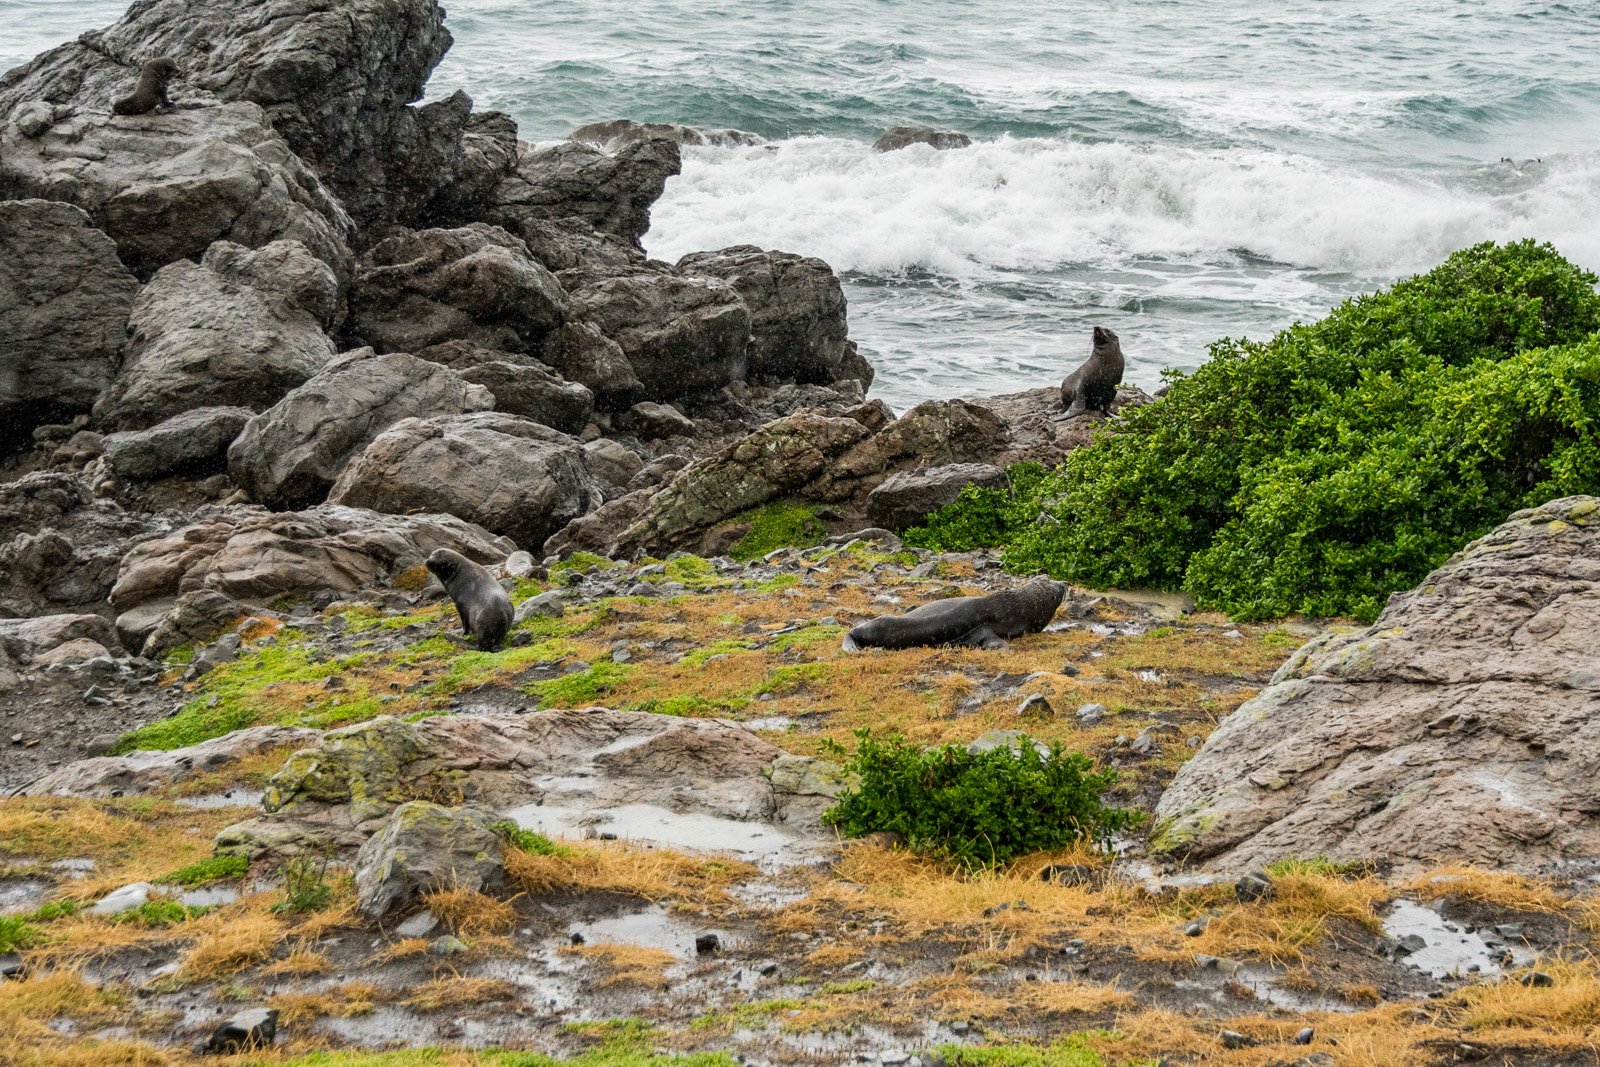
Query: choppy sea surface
(1178, 170)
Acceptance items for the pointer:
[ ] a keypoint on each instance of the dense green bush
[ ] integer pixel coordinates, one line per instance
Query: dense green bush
(979, 809)
(1340, 461)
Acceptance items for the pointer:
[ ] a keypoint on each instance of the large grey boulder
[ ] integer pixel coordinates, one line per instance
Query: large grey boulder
(64, 304)
(907, 497)
(477, 283)
(253, 555)
(797, 311)
(241, 325)
(165, 187)
(573, 181)
(194, 442)
(682, 336)
(424, 847)
(521, 385)
(581, 353)
(509, 475)
(335, 80)
(34, 642)
(291, 454)
(1463, 726)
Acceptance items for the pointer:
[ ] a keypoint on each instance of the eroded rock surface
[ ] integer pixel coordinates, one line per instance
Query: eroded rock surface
(195, 441)
(1461, 727)
(144, 772)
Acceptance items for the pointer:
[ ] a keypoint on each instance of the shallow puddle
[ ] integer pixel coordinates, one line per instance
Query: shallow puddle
(1447, 948)
(22, 896)
(656, 825)
(654, 928)
(233, 798)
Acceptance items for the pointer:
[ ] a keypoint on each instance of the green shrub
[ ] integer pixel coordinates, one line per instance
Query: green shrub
(1336, 463)
(305, 885)
(981, 809)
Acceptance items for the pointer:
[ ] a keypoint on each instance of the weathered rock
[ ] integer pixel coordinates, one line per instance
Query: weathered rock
(682, 336)
(144, 772)
(64, 304)
(243, 326)
(165, 187)
(193, 442)
(612, 193)
(250, 554)
(30, 641)
(290, 455)
(618, 134)
(601, 531)
(197, 616)
(934, 433)
(246, 1031)
(1460, 727)
(908, 497)
(124, 899)
(581, 353)
(424, 847)
(797, 311)
(898, 137)
(650, 419)
(507, 474)
(477, 283)
(520, 385)
(611, 462)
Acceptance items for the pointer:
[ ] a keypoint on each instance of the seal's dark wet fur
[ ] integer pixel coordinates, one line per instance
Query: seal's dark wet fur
(975, 621)
(1093, 386)
(151, 91)
(484, 607)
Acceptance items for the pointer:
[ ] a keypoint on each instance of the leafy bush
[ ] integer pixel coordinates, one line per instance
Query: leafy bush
(981, 809)
(1336, 463)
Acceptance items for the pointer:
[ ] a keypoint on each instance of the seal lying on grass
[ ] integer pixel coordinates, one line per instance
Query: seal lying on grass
(484, 608)
(1093, 386)
(973, 621)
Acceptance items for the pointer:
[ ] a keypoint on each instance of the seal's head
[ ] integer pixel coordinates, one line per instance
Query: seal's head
(1103, 337)
(163, 67)
(444, 564)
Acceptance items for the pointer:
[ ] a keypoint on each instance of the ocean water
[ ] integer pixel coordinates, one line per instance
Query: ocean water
(1178, 170)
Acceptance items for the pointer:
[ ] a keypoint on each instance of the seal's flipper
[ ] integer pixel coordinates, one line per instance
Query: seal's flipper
(983, 637)
(849, 644)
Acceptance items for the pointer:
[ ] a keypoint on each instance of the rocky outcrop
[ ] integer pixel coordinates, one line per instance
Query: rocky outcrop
(165, 187)
(797, 311)
(564, 768)
(49, 639)
(898, 137)
(64, 304)
(241, 325)
(423, 847)
(254, 555)
(617, 134)
(580, 352)
(508, 475)
(195, 442)
(477, 283)
(156, 627)
(291, 454)
(521, 385)
(1461, 727)
(145, 772)
(572, 181)
(907, 497)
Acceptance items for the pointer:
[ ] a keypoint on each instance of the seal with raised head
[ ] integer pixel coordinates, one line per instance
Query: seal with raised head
(484, 608)
(151, 91)
(1093, 386)
(972, 621)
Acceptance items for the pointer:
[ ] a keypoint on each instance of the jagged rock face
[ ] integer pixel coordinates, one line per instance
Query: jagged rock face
(335, 80)
(933, 433)
(166, 186)
(899, 137)
(521, 386)
(612, 193)
(797, 311)
(64, 304)
(907, 497)
(144, 772)
(254, 555)
(60, 547)
(241, 325)
(1461, 727)
(195, 442)
(477, 283)
(508, 475)
(424, 847)
(291, 454)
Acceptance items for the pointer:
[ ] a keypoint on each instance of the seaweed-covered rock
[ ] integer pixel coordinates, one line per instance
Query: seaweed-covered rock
(1463, 726)
(424, 847)
(617, 134)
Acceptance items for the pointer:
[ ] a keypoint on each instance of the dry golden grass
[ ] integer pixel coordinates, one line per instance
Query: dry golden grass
(1568, 1010)
(834, 955)
(345, 1001)
(626, 964)
(652, 874)
(28, 1007)
(94, 1053)
(469, 913)
(1498, 888)
(302, 960)
(231, 939)
(453, 991)
(404, 949)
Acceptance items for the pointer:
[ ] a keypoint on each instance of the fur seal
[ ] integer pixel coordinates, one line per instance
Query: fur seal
(972, 621)
(484, 608)
(1093, 386)
(151, 92)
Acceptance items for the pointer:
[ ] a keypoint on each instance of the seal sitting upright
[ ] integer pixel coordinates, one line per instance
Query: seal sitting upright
(151, 92)
(973, 621)
(484, 608)
(1093, 386)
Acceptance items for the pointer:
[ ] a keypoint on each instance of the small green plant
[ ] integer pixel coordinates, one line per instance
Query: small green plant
(534, 844)
(211, 869)
(979, 809)
(160, 914)
(305, 885)
(581, 687)
(786, 524)
(17, 933)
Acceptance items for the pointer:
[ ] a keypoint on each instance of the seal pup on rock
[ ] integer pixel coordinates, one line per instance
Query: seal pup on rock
(484, 608)
(972, 621)
(151, 92)
(1093, 386)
